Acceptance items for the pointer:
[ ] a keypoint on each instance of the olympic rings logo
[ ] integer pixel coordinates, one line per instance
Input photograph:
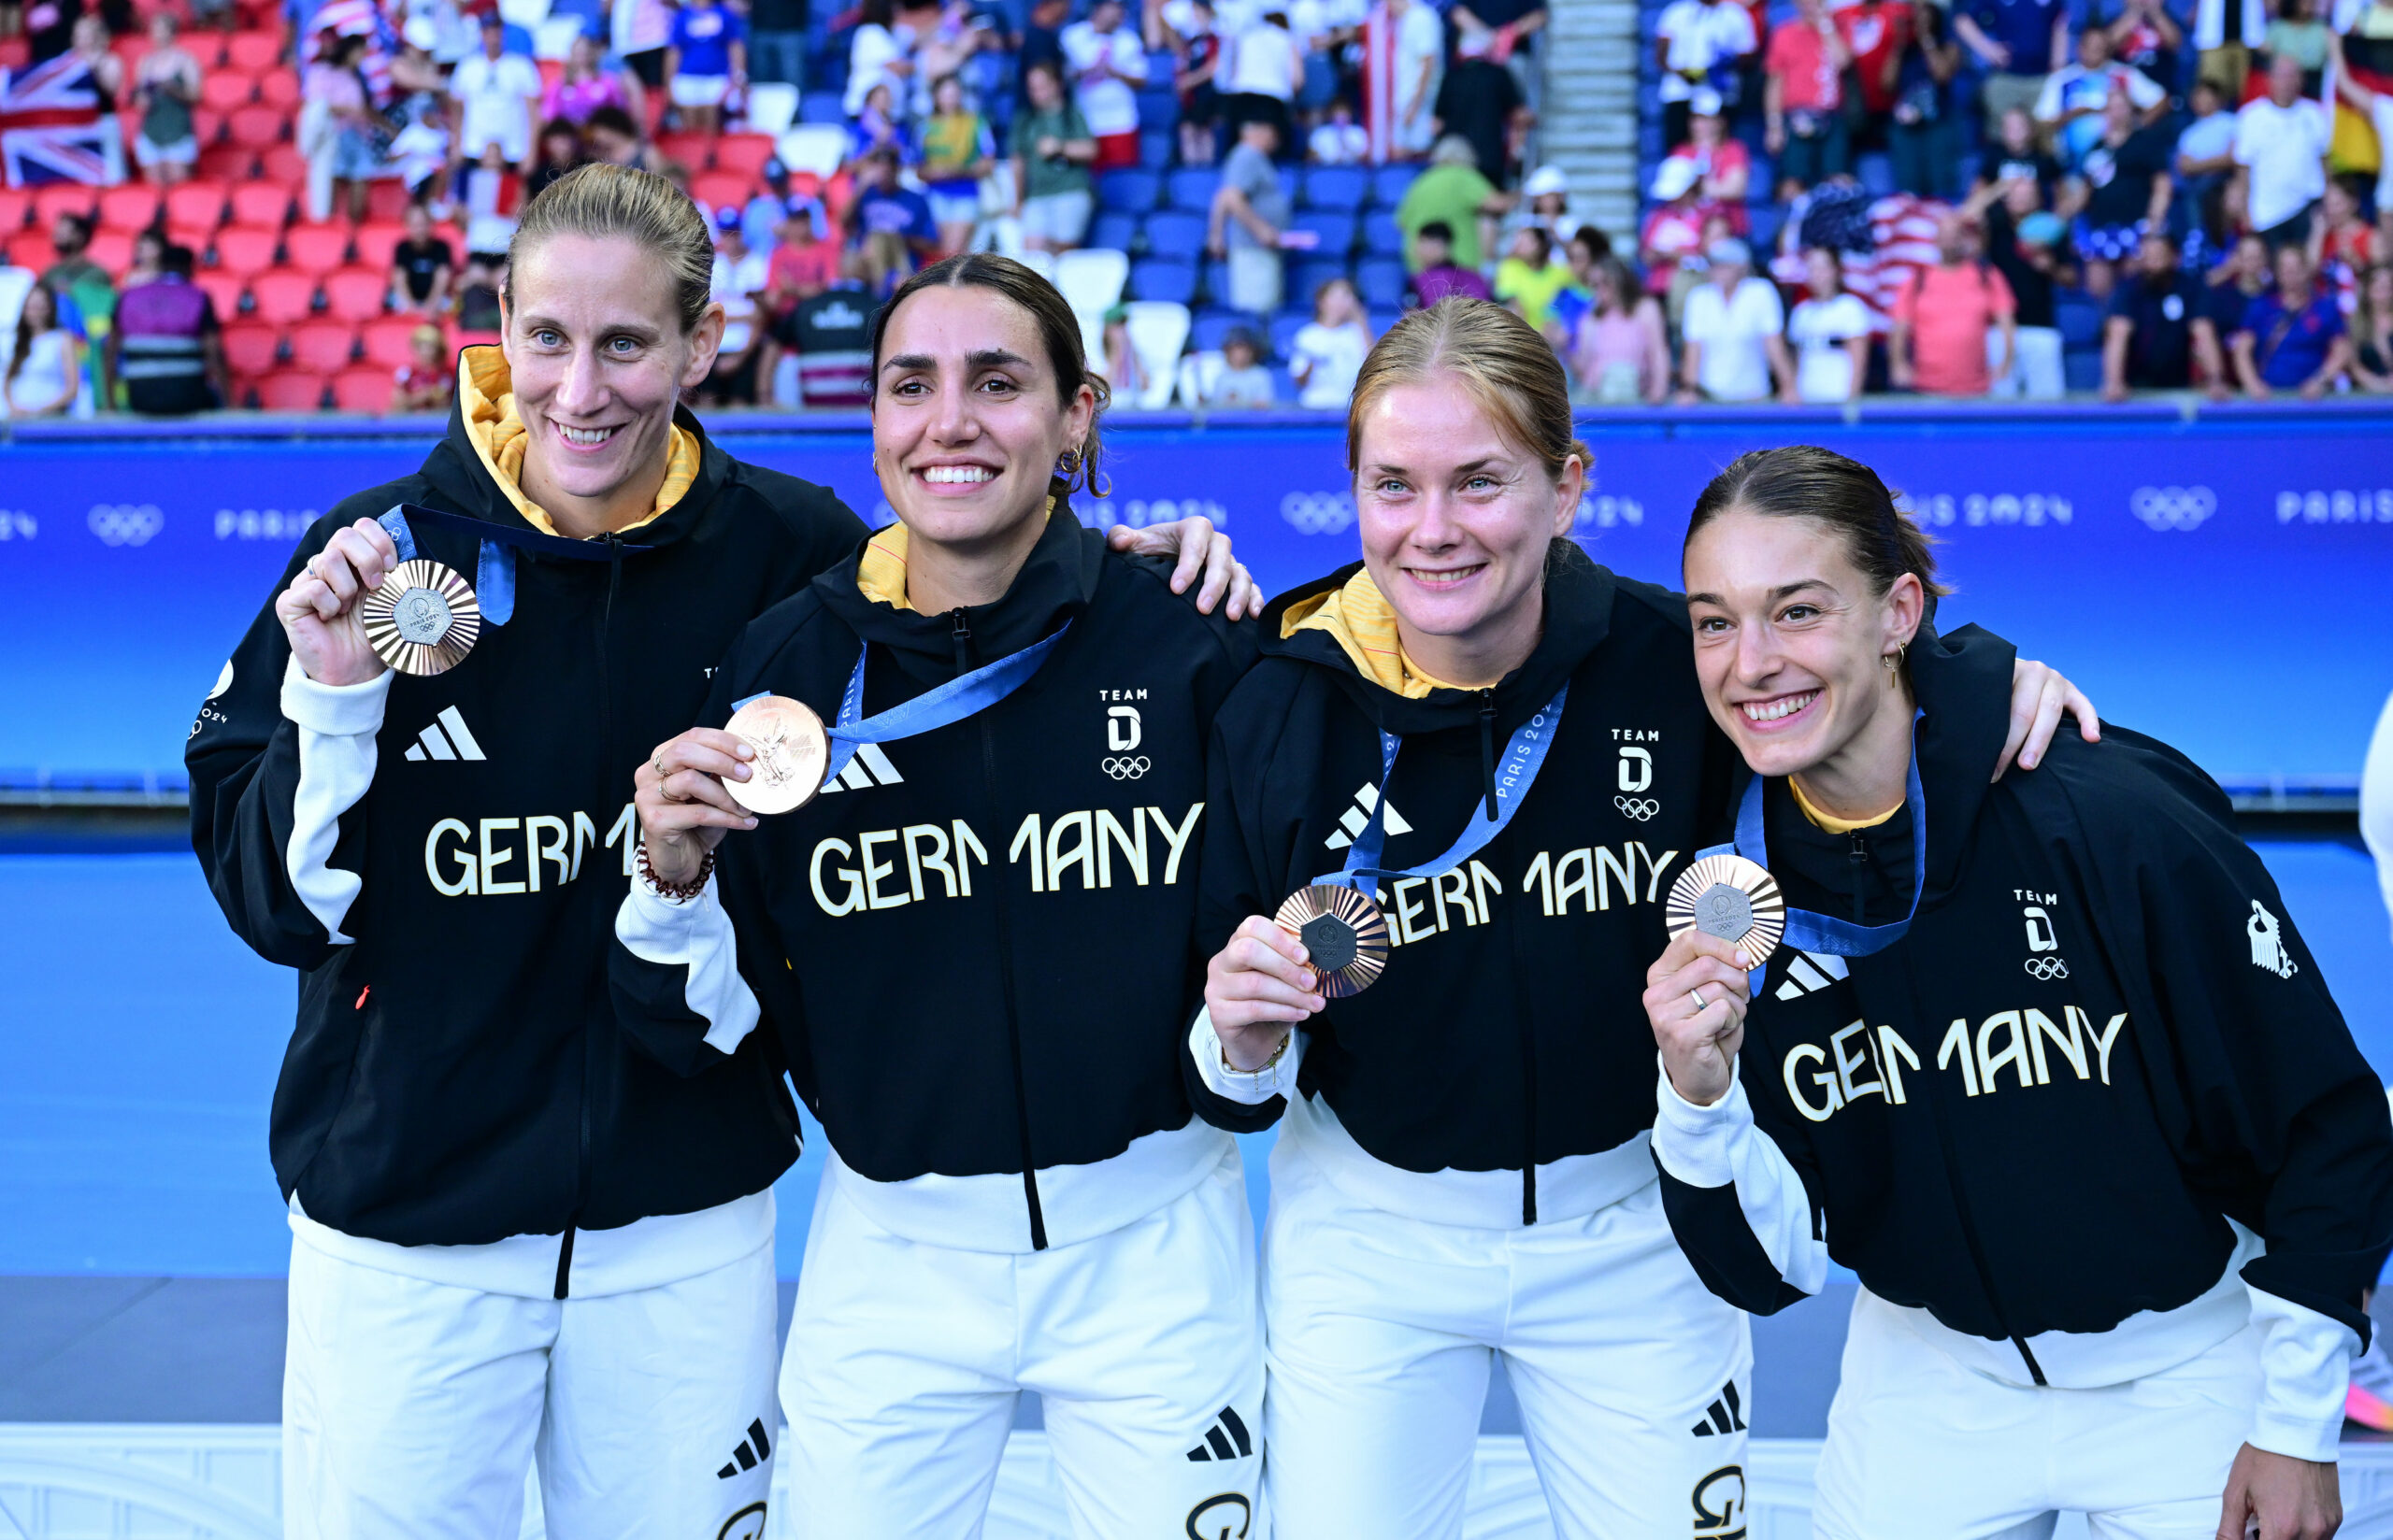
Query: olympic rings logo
(2047, 968)
(1121, 767)
(2163, 508)
(1318, 512)
(125, 524)
(1639, 808)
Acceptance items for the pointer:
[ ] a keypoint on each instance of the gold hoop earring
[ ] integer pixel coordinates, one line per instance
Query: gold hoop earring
(1894, 661)
(1068, 465)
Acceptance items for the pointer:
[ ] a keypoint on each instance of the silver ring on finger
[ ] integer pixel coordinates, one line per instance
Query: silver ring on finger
(1701, 1005)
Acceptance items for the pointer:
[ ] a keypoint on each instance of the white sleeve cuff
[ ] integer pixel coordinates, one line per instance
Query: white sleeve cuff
(1277, 1078)
(336, 710)
(1697, 1145)
(697, 934)
(2305, 1374)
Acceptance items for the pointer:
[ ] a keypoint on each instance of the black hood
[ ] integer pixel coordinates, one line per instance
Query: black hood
(1578, 617)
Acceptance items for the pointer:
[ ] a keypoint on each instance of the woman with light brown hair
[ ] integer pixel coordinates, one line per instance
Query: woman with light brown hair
(1507, 744)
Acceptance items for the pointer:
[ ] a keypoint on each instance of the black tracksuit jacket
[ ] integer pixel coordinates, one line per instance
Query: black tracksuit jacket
(976, 948)
(1506, 1031)
(2101, 1039)
(457, 1076)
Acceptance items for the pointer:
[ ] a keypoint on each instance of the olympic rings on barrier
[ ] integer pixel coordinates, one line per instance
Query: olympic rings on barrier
(1318, 512)
(1124, 768)
(2047, 968)
(125, 524)
(1639, 808)
(2172, 507)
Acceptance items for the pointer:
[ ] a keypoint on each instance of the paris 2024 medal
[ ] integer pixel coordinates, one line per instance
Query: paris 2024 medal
(1344, 934)
(1732, 898)
(792, 753)
(423, 620)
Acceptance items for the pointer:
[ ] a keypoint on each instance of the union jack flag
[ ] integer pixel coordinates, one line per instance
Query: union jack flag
(51, 128)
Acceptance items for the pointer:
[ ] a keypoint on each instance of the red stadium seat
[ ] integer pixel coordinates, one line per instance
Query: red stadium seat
(63, 198)
(692, 152)
(283, 166)
(355, 293)
(551, 71)
(225, 90)
(315, 247)
(283, 296)
(243, 251)
(365, 387)
(249, 347)
(134, 207)
(225, 289)
(260, 206)
(745, 153)
(253, 52)
(376, 240)
(280, 89)
(226, 163)
(386, 199)
(322, 345)
(207, 127)
(197, 237)
(291, 390)
(207, 46)
(112, 249)
(256, 127)
(716, 190)
(32, 249)
(390, 340)
(16, 205)
(198, 203)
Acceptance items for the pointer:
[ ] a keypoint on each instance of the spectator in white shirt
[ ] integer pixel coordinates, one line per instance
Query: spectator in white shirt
(1262, 70)
(2071, 105)
(498, 99)
(740, 277)
(1107, 64)
(1327, 351)
(1830, 334)
(878, 50)
(1732, 328)
(1341, 140)
(1692, 38)
(2281, 142)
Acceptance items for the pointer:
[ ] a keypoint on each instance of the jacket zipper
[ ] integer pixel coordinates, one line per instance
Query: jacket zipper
(1525, 1027)
(1487, 748)
(590, 1032)
(1858, 858)
(962, 638)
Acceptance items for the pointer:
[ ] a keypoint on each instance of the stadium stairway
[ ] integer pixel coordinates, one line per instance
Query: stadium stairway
(1590, 128)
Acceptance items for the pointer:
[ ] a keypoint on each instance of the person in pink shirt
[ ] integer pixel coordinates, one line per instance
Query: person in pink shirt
(1803, 98)
(1726, 164)
(587, 84)
(1675, 230)
(1946, 317)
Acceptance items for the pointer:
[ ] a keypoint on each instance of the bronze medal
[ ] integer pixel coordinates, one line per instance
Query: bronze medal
(792, 753)
(1344, 935)
(423, 620)
(1732, 898)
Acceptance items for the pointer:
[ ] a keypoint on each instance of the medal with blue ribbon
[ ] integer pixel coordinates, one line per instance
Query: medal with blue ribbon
(1340, 922)
(425, 618)
(797, 756)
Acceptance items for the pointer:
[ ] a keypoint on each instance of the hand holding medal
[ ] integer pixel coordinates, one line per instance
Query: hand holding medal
(322, 610)
(1726, 917)
(689, 793)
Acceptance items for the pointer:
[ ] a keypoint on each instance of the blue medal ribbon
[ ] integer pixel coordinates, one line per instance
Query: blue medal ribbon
(1819, 933)
(1524, 755)
(966, 695)
(494, 571)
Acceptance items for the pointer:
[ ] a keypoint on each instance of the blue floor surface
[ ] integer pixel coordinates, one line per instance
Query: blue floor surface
(138, 1044)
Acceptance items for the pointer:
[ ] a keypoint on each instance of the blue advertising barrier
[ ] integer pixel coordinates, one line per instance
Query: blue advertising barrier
(2222, 580)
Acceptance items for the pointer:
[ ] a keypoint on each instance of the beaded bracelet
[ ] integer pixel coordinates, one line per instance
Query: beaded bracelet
(680, 893)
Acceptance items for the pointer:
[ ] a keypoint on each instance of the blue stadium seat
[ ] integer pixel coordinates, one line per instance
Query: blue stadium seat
(1389, 182)
(1130, 192)
(1308, 274)
(1156, 147)
(1380, 281)
(1217, 283)
(1335, 228)
(1159, 108)
(1114, 229)
(1876, 170)
(1191, 188)
(1382, 236)
(1284, 386)
(821, 106)
(1767, 218)
(1292, 182)
(1205, 333)
(2080, 370)
(1164, 278)
(1175, 233)
(1342, 186)
(1284, 328)
(1382, 317)
(2079, 318)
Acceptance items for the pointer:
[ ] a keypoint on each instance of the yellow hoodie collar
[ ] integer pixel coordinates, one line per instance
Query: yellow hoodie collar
(486, 404)
(1359, 616)
(1830, 821)
(880, 572)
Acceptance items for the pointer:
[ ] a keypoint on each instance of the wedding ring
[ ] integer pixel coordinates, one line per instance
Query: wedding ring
(1701, 1005)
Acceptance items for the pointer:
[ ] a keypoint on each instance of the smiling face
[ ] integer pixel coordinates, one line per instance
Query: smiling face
(1456, 521)
(593, 341)
(968, 420)
(1790, 639)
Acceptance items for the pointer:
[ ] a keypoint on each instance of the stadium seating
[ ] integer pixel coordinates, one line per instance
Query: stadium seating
(263, 205)
(1158, 330)
(198, 204)
(1382, 281)
(256, 127)
(1206, 329)
(252, 53)
(743, 153)
(1114, 229)
(281, 90)
(1165, 278)
(282, 296)
(1128, 191)
(1389, 183)
(32, 250)
(64, 198)
(1332, 230)
(1191, 188)
(1339, 187)
(1305, 279)
(224, 289)
(386, 199)
(716, 190)
(772, 107)
(111, 248)
(355, 293)
(242, 250)
(324, 345)
(388, 341)
(289, 391)
(1382, 236)
(16, 207)
(223, 93)
(363, 387)
(315, 247)
(131, 208)
(378, 240)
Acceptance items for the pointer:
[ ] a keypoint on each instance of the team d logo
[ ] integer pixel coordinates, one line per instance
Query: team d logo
(2268, 946)
(1123, 731)
(1636, 775)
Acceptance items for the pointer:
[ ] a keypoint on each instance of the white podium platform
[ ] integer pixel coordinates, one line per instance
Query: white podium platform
(104, 1481)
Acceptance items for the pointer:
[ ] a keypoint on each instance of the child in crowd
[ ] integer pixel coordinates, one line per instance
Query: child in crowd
(1123, 371)
(1327, 351)
(805, 259)
(1242, 380)
(1340, 140)
(1438, 278)
(1527, 278)
(425, 381)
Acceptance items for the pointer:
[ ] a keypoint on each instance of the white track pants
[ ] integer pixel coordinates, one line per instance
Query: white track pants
(1919, 1445)
(412, 1410)
(1632, 1376)
(905, 1360)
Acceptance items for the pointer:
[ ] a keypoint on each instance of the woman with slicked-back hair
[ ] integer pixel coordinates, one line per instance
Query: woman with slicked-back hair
(1507, 744)
(975, 947)
(516, 1238)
